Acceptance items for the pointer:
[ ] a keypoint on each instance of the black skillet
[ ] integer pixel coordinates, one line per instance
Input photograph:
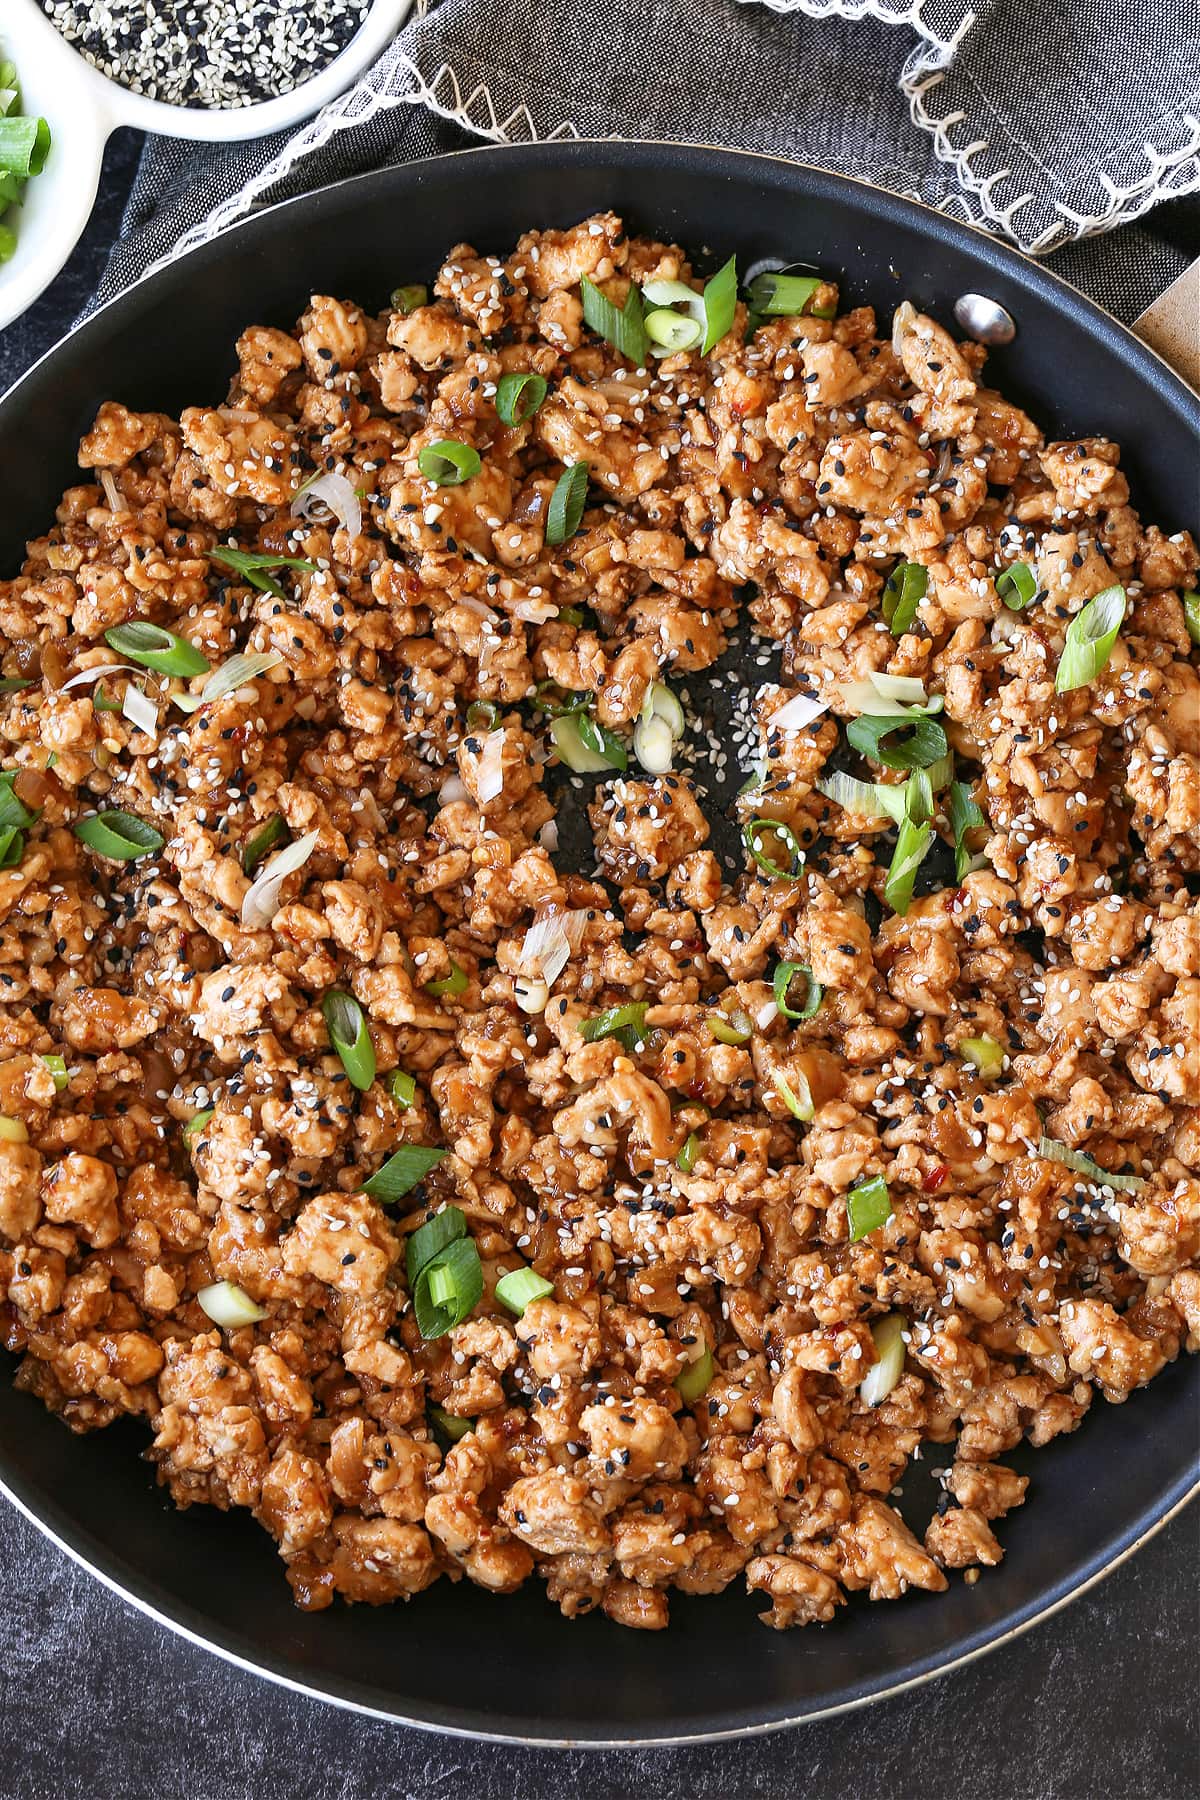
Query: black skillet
(456, 1659)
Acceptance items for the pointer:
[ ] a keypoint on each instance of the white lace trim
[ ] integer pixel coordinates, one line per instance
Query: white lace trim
(1171, 169)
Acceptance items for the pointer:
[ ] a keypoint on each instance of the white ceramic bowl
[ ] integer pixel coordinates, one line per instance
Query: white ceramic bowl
(83, 108)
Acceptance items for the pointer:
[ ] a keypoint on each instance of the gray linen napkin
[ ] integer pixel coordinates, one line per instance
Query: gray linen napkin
(1052, 126)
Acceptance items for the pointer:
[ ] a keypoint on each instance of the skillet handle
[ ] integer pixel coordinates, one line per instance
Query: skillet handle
(1171, 325)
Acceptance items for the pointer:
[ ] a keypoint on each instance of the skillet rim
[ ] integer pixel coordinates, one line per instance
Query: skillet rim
(1164, 383)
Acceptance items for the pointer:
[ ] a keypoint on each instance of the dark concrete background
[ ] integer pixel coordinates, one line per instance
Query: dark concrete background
(98, 1703)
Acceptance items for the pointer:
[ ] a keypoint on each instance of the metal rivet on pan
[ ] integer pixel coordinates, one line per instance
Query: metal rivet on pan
(985, 320)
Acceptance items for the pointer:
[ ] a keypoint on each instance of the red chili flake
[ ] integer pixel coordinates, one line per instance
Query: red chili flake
(935, 1178)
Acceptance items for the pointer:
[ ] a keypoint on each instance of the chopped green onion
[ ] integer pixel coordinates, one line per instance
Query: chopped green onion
(101, 701)
(428, 1241)
(197, 1122)
(452, 984)
(232, 674)
(24, 146)
(558, 701)
(912, 841)
(229, 1305)
(673, 332)
(1089, 641)
(1017, 586)
(720, 304)
(520, 1288)
(518, 395)
(449, 1424)
(265, 838)
(13, 810)
(695, 1378)
(482, 715)
(866, 799)
(156, 648)
(12, 846)
(965, 815)
(623, 327)
(800, 1105)
(255, 566)
(903, 592)
(886, 1370)
(8, 243)
(407, 299)
(920, 745)
(1191, 614)
(402, 1088)
(1083, 1165)
(777, 295)
(730, 1028)
(401, 1172)
(685, 1162)
(567, 503)
(618, 1019)
(448, 463)
(601, 742)
(346, 1024)
(752, 837)
(868, 1206)
(984, 1054)
(570, 615)
(447, 1288)
(13, 684)
(58, 1068)
(814, 993)
(119, 835)
(568, 742)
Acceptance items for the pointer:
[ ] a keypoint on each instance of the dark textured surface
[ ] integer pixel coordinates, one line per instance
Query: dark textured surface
(98, 1703)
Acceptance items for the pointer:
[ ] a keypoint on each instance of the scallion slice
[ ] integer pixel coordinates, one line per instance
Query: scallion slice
(752, 836)
(119, 835)
(482, 715)
(229, 1305)
(346, 1024)
(156, 648)
(627, 1022)
(24, 146)
(601, 741)
(903, 593)
(883, 1374)
(12, 847)
(447, 1288)
(237, 672)
(567, 503)
(448, 463)
(58, 1069)
(730, 1027)
(781, 982)
(1017, 586)
(402, 1088)
(623, 327)
(13, 684)
(407, 299)
(672, 332)
(800, 1104)
(452, 984)
(899, 743)
(777, 295)
(401, 1172)
(1191, 614)
(255, 566)
(428, 1241)
(196, 1123)
(689, 1150)
(520, 1288)
(720, 304)
(13, 811)
(866, 799)
(1089, 641)
(965, 815)
(868, 1206)
(1080, 1164)
(695, 1378)
(912, 841)
(273, 832)
(518, 395)
(558, 701)
(984, 1055)
(449, 1424)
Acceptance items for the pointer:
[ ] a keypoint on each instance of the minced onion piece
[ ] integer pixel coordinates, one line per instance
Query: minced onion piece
(112, 492)
(814, 993)
(695, 1378)
(520, 1288)
(452, 790)
(550, 943)
(883, 1374)
(1089, 640)
(797, 713)
(984, 1055)
(346, 1024)
(334, 490)
(140, 710)
(489, 772)
(868, 1206)
(229, 1305)
(86, 675)
(800, 1105)
(903, 592)
(531, 993)
(567, 503)
(1080, 1164)
(261, 901)
(623, 327)
(401, 1172)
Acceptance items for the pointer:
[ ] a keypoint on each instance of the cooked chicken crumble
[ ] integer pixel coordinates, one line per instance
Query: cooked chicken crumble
(728, 1186)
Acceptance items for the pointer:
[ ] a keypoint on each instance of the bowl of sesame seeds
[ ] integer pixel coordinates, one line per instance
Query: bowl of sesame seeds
(209, 70)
